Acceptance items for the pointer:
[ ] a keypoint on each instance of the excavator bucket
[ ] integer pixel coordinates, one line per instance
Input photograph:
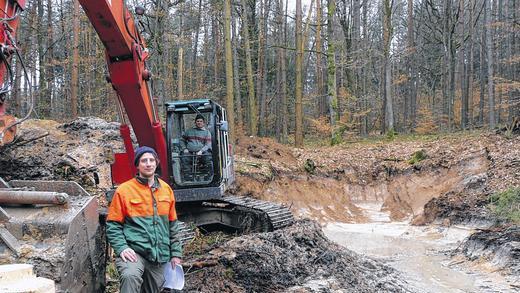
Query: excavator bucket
(55, 226)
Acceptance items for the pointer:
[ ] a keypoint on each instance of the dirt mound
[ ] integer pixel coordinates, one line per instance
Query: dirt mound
(264, 148)
(298, 258)
(499, 246)
(76, 151)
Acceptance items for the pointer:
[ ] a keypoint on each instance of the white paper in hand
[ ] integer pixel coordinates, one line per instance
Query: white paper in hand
(174, 278)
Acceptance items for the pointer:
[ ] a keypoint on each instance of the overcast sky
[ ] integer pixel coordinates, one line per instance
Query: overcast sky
(291, 7)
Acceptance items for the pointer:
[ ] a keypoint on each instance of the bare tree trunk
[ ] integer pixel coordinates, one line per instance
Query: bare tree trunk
(387, 39)
(449, 59)
(251, 101)
(180, 74)
(482, 72)
(285, 118)
(230, 104)
(321, 98)
(365, 127)
(471, 65)
(514, 99)
(206, 77)
(463, 73)
(499, 51)
(216, 53)
(43, 100)
(262, 68)
(412, 85)
(298, 134)
(75, 62)
(50, 57)
(331, 70)
(180, 59)
(355, 56)
(489, 49)
(194, 71)
(87, 75)
(281, 111)
(259, 64)
(236, 80)
(159, 64)
(467, 87)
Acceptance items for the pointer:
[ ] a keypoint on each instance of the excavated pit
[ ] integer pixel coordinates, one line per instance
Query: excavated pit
(403, 196)
(380, 195)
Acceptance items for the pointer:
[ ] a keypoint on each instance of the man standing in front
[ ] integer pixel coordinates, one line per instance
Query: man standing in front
(142, 227)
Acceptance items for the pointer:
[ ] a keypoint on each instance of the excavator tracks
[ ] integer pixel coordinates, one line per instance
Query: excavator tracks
(186, 232)
(234, 214)
(279, 216)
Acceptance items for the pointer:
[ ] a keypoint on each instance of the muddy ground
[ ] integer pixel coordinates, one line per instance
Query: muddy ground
(296, 259)
(450, 185)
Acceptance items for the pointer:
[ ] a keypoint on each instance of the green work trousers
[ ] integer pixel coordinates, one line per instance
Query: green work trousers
(142, 276)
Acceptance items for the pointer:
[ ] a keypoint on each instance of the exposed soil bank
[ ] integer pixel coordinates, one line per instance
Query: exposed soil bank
(499, 247)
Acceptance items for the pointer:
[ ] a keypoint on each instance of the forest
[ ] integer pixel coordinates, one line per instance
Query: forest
(287, 69)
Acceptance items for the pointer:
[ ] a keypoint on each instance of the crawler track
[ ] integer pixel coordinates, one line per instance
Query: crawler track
(234, 214)
(186, 232)
(278, 216)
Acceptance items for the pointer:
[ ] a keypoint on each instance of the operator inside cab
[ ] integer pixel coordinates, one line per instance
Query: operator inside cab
(196, 156)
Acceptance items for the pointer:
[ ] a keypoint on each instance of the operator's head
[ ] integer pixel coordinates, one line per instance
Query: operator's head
(146, 161)
(200, 122)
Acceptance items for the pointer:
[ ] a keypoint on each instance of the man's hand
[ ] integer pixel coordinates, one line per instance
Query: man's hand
(175, 261)
(186, 151)
(128, 255)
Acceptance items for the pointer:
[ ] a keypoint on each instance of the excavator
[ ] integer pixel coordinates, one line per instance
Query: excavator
(62, 222)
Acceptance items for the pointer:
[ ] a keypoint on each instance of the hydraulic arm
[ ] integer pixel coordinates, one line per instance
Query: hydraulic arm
(9, 10)
(126, 56)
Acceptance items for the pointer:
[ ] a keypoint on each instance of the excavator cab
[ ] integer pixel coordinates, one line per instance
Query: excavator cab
(198, 175)
(201, 180)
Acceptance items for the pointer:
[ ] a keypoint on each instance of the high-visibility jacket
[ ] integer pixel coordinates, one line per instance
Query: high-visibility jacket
(144, 218)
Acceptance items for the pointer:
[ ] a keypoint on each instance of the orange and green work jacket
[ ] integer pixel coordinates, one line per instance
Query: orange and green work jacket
(144, 218)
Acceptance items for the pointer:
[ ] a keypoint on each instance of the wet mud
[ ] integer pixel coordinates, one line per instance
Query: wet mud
(499, 247)
(298, 258)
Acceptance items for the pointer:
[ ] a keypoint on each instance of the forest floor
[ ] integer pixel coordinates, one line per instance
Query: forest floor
(432, 190)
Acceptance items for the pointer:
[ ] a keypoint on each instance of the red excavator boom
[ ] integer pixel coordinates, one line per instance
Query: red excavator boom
(9, 10)
(126, 56)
